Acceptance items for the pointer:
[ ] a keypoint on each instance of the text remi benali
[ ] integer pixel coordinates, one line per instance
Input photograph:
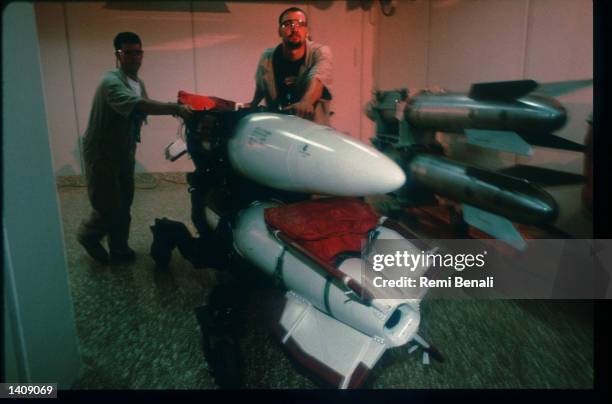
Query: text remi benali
(425, 282)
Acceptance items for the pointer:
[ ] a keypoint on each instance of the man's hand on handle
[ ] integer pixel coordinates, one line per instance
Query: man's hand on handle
(184, 111)
(303, 109)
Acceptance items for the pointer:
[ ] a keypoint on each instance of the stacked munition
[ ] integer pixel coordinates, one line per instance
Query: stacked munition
(331, 319)
(486, 115)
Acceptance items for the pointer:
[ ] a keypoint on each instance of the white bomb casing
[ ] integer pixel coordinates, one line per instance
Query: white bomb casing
(327, 330)
(296, 155)
(254, 242)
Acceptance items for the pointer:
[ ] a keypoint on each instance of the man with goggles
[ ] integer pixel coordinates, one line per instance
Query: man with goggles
(296, 75)
(120, 106)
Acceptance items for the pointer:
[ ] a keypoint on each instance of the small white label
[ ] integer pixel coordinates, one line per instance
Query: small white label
(175, 150)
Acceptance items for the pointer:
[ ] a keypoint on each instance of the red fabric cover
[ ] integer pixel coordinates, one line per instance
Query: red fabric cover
(325, 226)
(205, 103)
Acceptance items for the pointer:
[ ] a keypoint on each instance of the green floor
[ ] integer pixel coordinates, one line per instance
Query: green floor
(138, 331)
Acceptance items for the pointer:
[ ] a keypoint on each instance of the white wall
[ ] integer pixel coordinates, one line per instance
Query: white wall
(204, 47)
(58, 89)
(213, 47)
(402, 46)
(454, 43)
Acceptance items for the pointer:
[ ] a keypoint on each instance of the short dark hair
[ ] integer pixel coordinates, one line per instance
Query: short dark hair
(291, 10)
(125, 37)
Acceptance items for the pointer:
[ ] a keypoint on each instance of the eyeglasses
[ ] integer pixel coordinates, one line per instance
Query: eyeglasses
(131, 52)
(293, 24)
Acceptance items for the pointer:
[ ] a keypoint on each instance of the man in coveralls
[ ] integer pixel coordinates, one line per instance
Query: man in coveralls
(120, 106)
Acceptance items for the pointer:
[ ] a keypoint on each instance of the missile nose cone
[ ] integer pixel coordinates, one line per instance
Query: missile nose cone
(393, 178)
(559, 118)
(359, 170)
(546, 207)
(292, 154)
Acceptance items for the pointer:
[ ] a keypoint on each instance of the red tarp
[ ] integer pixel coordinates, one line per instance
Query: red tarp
(325, 226)
(205, 103)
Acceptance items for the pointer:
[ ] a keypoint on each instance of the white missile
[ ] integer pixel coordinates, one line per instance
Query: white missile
(335, 320)
(320, 324)
(296, 155)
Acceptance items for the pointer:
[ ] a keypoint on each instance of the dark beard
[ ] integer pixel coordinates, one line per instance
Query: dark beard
(294, 45)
